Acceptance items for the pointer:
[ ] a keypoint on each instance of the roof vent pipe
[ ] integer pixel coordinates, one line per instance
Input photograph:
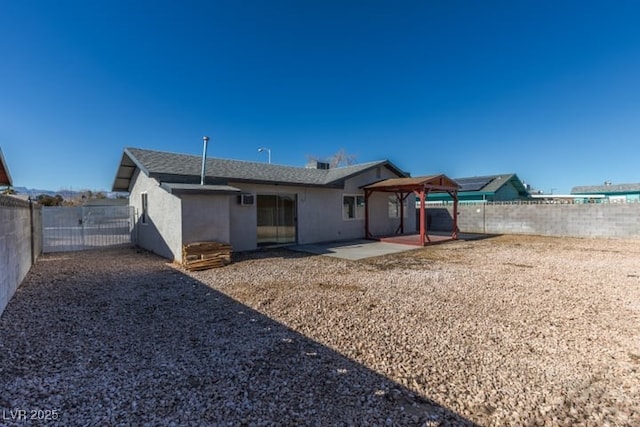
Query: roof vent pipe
(205, 139)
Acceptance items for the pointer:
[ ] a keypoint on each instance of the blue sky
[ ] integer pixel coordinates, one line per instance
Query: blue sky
(549, 90)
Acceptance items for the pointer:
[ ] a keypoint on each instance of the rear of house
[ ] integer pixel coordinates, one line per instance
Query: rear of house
(251, 205)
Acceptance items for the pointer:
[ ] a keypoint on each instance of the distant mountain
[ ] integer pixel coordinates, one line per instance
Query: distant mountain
(66, 194)
(32, 192)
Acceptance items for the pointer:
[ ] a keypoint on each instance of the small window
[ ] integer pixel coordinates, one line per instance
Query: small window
(394, 207)
(352, 207)
(246, 199)
(143, 215)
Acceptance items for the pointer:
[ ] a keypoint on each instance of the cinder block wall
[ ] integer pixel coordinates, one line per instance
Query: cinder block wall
(618, 220)
(15, 244)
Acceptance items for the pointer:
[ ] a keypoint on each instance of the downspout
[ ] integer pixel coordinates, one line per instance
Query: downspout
(367, 233)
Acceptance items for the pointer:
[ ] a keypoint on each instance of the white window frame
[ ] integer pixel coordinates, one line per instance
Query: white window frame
(358, 207)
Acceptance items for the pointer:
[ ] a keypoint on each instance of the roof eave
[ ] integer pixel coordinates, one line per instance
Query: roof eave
(213, 180)
(5, 169)
(196, 189)
(386, 163)
(126, 170)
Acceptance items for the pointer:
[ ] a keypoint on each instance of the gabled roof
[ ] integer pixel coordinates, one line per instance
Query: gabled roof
(5, 176)
(606, 189)
(431, 182)
(186, 169)
(489, 184)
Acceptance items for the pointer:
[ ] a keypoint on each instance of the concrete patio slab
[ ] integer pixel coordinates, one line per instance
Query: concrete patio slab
(353, 249)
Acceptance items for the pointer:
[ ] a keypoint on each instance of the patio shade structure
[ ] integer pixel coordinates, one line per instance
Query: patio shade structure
(420, 186)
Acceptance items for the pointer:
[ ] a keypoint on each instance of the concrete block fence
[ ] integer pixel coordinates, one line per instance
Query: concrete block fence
(611, 220)
(20, 243)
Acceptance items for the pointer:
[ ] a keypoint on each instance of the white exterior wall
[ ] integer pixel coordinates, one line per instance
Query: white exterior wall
(320, 217)
(162, 234)
(319, 212)
(205, 217)
(313, 217)
(243, 223)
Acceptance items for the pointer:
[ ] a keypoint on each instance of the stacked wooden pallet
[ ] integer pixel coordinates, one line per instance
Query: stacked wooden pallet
(205, 255)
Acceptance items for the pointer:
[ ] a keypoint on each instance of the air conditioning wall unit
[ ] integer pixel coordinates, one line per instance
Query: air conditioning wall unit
(247, 199)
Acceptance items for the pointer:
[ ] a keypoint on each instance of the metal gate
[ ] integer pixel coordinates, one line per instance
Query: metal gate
(86, 227)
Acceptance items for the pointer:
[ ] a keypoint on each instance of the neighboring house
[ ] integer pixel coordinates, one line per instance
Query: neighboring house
(610, 192)
(106, 202)
(490, 188)
(251, 204)
(5, 177)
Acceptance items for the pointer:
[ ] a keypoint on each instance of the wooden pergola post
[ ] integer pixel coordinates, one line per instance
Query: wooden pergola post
(454, 233)
(423, 229)
(367, 233)
(401, 198)
(401, 201)
(420, 187)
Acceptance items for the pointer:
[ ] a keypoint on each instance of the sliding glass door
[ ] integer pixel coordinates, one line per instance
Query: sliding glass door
(276, 219)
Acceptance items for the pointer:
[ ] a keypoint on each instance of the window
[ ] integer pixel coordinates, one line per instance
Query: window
(394, 207)
(143, 215)
(352, 207)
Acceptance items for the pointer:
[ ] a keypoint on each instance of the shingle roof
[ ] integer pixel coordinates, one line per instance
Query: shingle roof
(494, 182)
(438, 182)
(5, 177)
(183, 168)
(604, 189)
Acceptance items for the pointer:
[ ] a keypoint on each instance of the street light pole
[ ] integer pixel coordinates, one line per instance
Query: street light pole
(268, 150)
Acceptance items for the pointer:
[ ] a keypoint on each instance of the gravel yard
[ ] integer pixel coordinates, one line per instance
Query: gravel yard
(512, 330)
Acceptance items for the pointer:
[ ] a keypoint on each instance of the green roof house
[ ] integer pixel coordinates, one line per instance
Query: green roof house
(611, 192)
(489, 188)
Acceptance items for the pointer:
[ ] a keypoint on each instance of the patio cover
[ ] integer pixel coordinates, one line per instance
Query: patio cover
(420, 186)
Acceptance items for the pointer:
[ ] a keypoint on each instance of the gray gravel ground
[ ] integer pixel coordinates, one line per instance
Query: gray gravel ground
(511, 330)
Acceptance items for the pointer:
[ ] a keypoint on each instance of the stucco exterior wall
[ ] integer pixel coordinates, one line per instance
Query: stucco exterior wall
(173, 220)
(243, 223)
(162, 234)
(319, 212)
(205, 218)
(319, 215)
